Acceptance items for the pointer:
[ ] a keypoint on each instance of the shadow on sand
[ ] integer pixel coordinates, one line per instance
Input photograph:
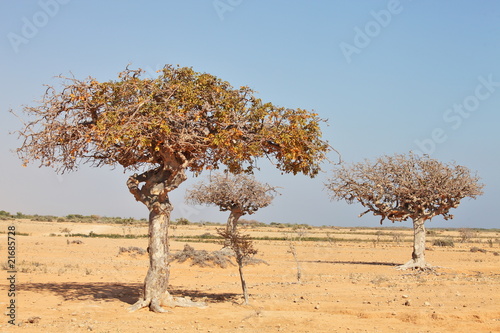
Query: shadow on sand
(125, 292)
(373, 263)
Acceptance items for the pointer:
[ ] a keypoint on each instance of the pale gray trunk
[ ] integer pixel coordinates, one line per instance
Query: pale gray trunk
(418, 255)
(156, 281)
(232, 221)
(154, 292)
(232, 224)
(154, 194)
(242, 278)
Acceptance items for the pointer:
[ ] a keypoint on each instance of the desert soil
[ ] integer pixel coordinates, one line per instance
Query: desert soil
(347, 286)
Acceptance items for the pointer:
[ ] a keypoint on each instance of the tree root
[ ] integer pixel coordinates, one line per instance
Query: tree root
(168, 300)
(141, 303)
(184, 302)
(412, 264)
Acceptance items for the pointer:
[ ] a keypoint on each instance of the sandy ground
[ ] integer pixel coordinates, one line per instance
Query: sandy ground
(347, 286)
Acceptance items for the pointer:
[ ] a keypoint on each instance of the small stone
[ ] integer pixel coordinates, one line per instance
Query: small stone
(407, 303)
(33, 320)
(405, 296)
(427, 304)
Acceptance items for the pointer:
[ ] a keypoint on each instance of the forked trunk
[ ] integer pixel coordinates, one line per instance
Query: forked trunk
(418, 255)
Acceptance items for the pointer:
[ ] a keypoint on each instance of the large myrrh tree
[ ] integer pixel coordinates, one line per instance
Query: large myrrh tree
(402, 186)
(159, 128)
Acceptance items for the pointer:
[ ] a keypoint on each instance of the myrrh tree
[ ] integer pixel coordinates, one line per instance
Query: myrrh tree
(159, 128)
(243, 249)
(402, 186)
(239, 194)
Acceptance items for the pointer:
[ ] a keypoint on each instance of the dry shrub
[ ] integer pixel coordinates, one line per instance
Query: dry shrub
(203, 258)
(476, 249)
(132, 250)
(444, 242)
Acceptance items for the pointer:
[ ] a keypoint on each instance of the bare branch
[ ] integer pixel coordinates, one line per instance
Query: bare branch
(242, 193)
(400, 187)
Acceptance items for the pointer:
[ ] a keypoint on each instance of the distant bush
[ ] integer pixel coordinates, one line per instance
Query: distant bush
(94, 235)
(182, 221)
(466, 234)
(132, 250)
(5, 215)
(476, 249)
(443, 242)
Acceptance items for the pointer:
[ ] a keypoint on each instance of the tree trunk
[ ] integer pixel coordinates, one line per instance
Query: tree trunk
(242, 278)
(154, 194)
(232, 223)
(418, 255)
(156, 281)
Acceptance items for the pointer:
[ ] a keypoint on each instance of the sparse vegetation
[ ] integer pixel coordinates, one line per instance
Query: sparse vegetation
(477, 249)
(467, 234)
(202, 258)
(74, 218)
(443, 242)
(133, 250)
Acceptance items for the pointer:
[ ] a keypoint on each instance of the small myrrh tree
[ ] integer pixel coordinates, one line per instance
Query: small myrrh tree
(239, 194)
(402, 186)
(160, 128)
(243, 249)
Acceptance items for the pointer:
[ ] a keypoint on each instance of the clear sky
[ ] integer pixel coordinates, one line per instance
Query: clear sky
(390, 77)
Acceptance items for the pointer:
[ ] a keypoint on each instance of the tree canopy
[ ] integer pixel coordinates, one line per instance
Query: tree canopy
(232, 192)
(403, 186)
(191, 119)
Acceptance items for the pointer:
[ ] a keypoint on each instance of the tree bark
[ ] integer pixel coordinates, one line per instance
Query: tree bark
(154, 194)
(155, 291)
(243, 282)
(418, 255)
(232, 223)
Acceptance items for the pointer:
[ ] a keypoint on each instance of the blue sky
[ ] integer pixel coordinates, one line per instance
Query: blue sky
(390, 77)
